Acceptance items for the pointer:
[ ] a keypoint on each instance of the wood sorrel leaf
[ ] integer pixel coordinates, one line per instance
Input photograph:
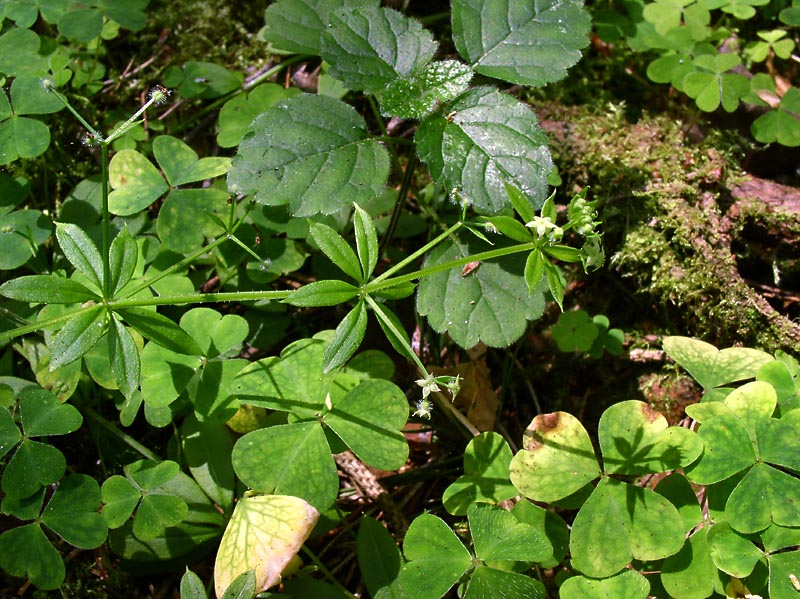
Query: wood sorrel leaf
(493, 582)
(519, 41)
(312, 153)
(26, 552)
(181, 164)
(81, 252)
(388, 44)
(691, 572)
(21, 233)
(635, 439)
(486, 461)
(557, 460)
(491, 304)
(290, 459)
(436, 558)
(136, 182)
(297, 26)
(207, 447)
(620, 522)
(264, 534)
(72, 513)
(731, 552)
(712, 367)
(47, 289)
(482, 141)
(763, 496)
(9, 433)
(499, 535)
(369, 419)
(625, 585)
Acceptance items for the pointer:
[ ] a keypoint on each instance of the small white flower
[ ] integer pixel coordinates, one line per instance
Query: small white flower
(428, 384)
(424, 408)
(545, 227)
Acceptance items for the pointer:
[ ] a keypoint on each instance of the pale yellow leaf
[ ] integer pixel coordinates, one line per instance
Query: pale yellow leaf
(264, 534)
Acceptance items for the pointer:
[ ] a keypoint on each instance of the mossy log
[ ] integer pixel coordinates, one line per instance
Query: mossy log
(714, 249)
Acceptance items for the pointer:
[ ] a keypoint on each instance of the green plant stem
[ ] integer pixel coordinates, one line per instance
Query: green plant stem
(420, 252)
(310, 554)
(106, 221)
(376, 285)
(121, 435)
(94, 132)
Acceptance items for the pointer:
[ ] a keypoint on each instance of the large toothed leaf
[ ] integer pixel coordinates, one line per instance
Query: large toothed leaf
(483, 141)
(369, 47)
(312, 153)
(491, 304)
(297, 25)
(530, 43)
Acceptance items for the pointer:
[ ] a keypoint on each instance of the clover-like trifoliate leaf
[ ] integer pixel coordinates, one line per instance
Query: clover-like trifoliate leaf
(9, 433)
(494, 582)
(264, 534)
(291, 459)
(72, 513)
(388, 46)
(311, 152)
(136, 183)
(414, 98)
(711, 367)
(635, 439)
(297, 26)
(485, 478)
(482, 141)
(21, 233)
(490, 304)
(691, 572)
(499, 535)
(620, 522)
(530, 43)
(25, 551)
(625, 585)
(781, 124)
(557, 459)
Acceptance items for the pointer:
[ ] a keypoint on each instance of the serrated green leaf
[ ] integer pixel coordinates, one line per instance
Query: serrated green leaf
(557, 459)
(322, 293)
(519, 41)
(297, 26)
(47, 289)
(369, 419)
(483, 141)
(161, 330)
(620, 521)
(486, 461)
(440, 81)
(77, 337)
(388, 45)
(336, 248)
(347, 338)
(492, 304)
(312, 153)
(81, 252)
(238, 112)
(72, 513)
(300, 463)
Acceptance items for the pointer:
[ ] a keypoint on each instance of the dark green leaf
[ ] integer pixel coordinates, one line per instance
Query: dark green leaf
(415, 98)
(378, 557)
(555, 282)
(34, 465)
(47, 289)
(21, 234)
(161, 330)
(207, 447)
(347, 338)
(388, 45)
(393, 329)
(73, 513)
(297, 26)
(9, 433)
(120, 498)
(43, 415)
(78, 336)
(26, 552)
(487, 140)
(191, 586)
(313, 153)
(529, 43)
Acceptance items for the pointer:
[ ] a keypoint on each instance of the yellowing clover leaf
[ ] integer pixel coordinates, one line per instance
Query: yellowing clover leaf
(264, 534)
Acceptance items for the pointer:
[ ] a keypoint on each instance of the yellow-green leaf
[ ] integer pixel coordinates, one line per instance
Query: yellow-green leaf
(264, 534)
